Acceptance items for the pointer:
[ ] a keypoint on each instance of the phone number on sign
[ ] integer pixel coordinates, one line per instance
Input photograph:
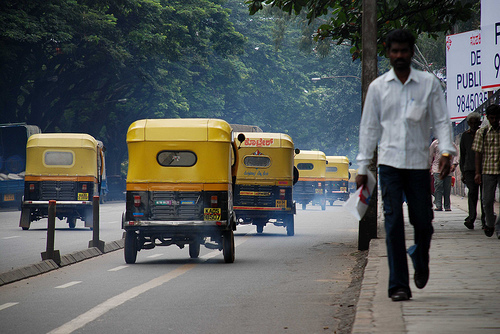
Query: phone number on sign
(469, 103)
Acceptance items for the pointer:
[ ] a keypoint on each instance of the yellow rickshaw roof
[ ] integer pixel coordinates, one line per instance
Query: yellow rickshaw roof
(310, 155)
(62, 140)
(179, 129)
(337, 159)
(265, 139)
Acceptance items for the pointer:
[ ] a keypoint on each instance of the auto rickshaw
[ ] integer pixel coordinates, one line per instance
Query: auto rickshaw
(179, 186)
(264, 182)
(311, 184)
(65, 167)
(352, 180)
(337, 178)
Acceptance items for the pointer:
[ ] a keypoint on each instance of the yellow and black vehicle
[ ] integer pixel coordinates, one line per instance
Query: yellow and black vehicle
(180, 186)
(352, 180)
(264, 182)
(337, 178)
(65, 167)
(312, 176)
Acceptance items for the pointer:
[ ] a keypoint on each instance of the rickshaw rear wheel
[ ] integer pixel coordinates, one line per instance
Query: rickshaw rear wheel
(194, 249)
(304, 206)
(228, 246)
(260, 228)
(290, 226)
(25, 219)
(130, 247)
(323, 205)
(71, 220)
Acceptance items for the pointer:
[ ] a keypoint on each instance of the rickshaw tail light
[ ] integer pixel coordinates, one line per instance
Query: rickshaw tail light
(282, 193)
(32, 187)
(213, 201)
(84, 187)
(137, 200)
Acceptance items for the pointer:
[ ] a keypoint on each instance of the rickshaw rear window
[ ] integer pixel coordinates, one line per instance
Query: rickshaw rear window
(305, 166)
(176, 158)
(54, 158)
(257, 161)
(331, 169)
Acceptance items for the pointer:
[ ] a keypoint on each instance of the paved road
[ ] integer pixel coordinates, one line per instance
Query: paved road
(278, 284)
(20, 248)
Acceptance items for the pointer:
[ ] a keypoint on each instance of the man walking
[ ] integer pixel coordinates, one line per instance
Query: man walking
(399, 110)
(468, 169)
(442, 187)
(487, 146)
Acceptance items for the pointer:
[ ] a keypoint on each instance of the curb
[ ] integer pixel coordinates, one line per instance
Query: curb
(49, 265)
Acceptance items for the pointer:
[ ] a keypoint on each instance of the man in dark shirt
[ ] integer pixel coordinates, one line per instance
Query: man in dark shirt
(468, 168)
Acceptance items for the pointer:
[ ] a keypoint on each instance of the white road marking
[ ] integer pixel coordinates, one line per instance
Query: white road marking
(7, 305)
(12, 237)
(154, 255)
(117, 300)
(67, 285)
(114, 222)
(118, 268)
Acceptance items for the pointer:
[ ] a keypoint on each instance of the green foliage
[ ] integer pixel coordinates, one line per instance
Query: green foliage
(344, 17)
(95, 66)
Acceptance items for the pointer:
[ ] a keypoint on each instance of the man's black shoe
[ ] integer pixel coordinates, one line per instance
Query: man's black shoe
(469, 224)
(399, 295)
(421, 277)
(488, 231)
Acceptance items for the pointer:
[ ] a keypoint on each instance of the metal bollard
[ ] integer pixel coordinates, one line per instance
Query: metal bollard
(95, 242)
(50, 253)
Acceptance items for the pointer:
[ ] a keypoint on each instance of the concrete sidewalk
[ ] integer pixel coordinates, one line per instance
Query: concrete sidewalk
(463, 292)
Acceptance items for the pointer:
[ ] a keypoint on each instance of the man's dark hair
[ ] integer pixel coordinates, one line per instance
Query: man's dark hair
(493, 109)
(399, 36)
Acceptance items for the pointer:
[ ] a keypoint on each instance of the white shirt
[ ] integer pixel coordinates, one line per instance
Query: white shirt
(399, 117)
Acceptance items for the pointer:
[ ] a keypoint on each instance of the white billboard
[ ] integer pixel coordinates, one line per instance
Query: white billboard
(490, 30)
(463, 74)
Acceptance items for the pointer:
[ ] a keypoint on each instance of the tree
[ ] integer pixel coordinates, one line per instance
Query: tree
(340, 20)
(64, 64)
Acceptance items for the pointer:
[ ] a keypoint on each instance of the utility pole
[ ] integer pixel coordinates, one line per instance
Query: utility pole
(368, 224)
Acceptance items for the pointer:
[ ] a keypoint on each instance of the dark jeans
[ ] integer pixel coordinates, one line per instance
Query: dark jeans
(442, 191)
(490, 184)
(416, 186)
(472, 197)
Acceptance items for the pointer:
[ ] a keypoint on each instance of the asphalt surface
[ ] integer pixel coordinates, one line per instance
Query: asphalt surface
(461, 295)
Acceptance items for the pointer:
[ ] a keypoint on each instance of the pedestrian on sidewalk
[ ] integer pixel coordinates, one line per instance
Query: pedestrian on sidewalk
(399, 110)
(487, 146)
(442, 187)
(467, 165)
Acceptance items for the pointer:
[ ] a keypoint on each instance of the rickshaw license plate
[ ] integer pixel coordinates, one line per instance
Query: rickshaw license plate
(344, 189)
(319, 191)
(83, 196)
(9, 197)
(281, 203)
(211, 213)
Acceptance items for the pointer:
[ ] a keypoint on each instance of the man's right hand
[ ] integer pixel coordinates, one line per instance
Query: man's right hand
(361, 180)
